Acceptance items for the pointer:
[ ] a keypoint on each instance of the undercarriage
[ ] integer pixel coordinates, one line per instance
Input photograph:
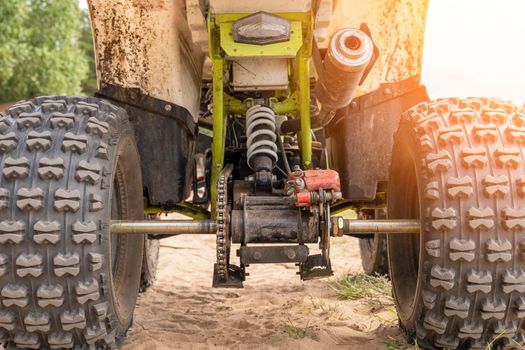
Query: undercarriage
(266, 123)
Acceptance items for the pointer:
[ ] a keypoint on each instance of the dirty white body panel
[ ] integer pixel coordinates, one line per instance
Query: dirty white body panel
(147, 44)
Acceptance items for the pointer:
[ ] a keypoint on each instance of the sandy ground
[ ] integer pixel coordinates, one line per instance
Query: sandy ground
(182, 311)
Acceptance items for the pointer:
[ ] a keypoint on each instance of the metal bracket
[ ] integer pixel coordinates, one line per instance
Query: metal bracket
(136, 98)
(234, 278)
(315, 267)
(273, 254)
(375, 55)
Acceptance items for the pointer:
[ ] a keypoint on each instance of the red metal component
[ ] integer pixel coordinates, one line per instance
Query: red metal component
(314, 180)
(303, 199)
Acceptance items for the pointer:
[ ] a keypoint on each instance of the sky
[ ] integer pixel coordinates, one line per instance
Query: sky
(473, 48)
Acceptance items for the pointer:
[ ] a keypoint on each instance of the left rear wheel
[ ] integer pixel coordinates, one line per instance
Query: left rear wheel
(374, 257)
(68, 166)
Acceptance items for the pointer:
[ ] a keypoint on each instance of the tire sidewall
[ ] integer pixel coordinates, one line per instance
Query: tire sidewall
(404, 147)
(126, 164)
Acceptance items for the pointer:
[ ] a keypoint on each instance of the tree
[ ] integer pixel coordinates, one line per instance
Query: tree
(89, 84)
(40, 50)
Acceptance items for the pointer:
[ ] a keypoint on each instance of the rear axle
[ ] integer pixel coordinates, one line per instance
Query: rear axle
(340, 227)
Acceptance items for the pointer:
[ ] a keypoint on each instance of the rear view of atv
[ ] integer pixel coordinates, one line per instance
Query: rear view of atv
(262, 121)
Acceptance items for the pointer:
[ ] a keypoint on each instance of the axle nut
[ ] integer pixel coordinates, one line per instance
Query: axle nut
(338, 224)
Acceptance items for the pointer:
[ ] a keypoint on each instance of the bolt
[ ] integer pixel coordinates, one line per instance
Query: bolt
(167, 108)
(299, 183)
(297, 170)
(290, 254)
(353, 105)
(387, 91)
(256, 255)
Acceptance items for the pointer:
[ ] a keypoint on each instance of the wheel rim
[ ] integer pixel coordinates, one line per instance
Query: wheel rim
(368, 247)
(116, 213)
(119, 247)
(404, 249)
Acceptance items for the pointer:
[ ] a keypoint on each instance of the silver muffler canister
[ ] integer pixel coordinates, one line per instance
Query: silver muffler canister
(348, 55)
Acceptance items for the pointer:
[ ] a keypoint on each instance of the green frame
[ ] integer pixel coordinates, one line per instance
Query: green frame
(298, 50)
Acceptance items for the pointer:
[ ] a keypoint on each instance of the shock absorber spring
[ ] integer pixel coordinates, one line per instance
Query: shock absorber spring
(260, 131)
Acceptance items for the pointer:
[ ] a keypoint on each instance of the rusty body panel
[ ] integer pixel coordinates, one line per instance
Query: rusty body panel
(147, 45)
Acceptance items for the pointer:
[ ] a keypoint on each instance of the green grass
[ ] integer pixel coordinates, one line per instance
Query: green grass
(490, 346)
(360, 286)
(330, 311)
(295, 332)
(392, 343)
(385, 321)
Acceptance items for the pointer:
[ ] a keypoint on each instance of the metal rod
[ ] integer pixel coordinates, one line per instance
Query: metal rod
(381, 226)
(342, 226)
(172, 227)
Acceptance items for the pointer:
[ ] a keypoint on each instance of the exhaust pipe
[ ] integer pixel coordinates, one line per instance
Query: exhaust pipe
(348, 56)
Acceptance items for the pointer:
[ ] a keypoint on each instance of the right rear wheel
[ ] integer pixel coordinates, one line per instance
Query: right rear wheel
(458, 167)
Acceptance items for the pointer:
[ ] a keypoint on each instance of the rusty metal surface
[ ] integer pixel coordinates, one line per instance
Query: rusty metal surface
(273, 224)
(356, 227)
(172, 227)
(147, 44)
(398, 30)
(273, 254)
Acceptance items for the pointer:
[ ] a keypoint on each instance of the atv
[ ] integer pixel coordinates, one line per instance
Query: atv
(264, 122)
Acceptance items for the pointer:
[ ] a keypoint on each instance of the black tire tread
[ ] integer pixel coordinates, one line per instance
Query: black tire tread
(54, 276)
(374, 255)
(471, 167)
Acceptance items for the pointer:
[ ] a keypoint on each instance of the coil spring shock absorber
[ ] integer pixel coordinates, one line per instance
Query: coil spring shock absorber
(260, 131)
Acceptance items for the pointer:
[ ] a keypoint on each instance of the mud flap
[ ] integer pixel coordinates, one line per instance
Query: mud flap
(360, 137)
